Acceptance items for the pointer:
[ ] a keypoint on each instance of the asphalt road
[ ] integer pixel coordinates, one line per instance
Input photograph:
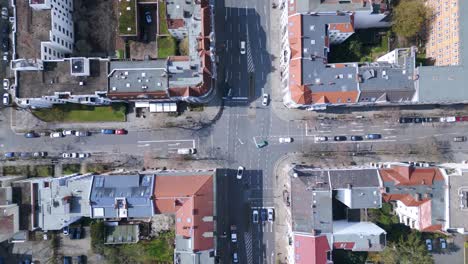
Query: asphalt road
(232, 138)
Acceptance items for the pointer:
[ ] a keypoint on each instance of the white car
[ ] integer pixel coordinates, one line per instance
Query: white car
(265, 98)
(270, 214)
(83, 155)
(240, 172)
(4, 13)
(443, 243)
(56, 135)
(429, 244)
(285, 140)
(69, 155)
(6, 99)
(320, 139)
(6, 84)
(68, 132)
(242, 47)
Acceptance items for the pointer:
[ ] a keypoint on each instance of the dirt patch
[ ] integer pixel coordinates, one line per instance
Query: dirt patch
(95, 27)
(161, 223)
(140, 50)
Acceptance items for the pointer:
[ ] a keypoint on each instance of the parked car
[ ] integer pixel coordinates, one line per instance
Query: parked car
(121, 132)
(270, 214)
(6, 84)
(56, 135)
(45, 134)
(417, 120)
(255, 216)
(242, 47)
(148, 17)
(5, 29)
(262, 144)
(429, 244)
(443, 243)
(68, 132)
(240, 172)
(83, 155)
(4, 12)
(5, 45)
(82, 133)
(9, 155)
(25, 155)
(72, 155)
(404, 120)
(373, 136)
(31, 134)
(320, 138)
(186, 151)
(340, 138)
(81, 259)
(285, 140)
(356, 138)
(107, 131)
(40, 154)
(263, 214)
(6, 99)
(265, 99)
(5, 56)
(67, 260)
(65, 230)
(459, 139)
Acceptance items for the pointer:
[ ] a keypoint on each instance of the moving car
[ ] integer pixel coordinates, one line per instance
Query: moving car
(235, 258)
(68, 132)
(186, 151)
(262, 144)
(148, 17)
(270, 214)
(107, 131)
(340, 138)
(31, 134)
(233, 233)
(6, 84)
(82, 133)
(459, 139)
(320, 138)
(6, 99)
(285, 140)
(265, 99)
(242, 47)
(255, 216)
(56, 135)
(121, 132)
(240, 172)
(429, 244)
(373, 136)
(356, 138)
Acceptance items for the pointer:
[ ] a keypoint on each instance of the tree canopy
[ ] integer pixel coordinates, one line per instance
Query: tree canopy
(411, 250)
(409, 18)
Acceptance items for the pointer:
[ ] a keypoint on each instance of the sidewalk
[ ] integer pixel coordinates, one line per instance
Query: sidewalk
(23, 121)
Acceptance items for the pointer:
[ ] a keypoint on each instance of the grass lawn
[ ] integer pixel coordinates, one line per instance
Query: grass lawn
(30, 171)
(127, 19)
(97, 167)
(15, 170)
(82, 113)
(70, 168)
(162, 18)
(167, 46)
(43, 171)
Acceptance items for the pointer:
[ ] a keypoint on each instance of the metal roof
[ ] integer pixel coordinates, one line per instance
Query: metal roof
(137, 76)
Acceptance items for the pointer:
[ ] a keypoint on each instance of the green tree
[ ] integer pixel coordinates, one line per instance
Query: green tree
(184, 47)
(355, 47)
(409, 17)
(411, 250)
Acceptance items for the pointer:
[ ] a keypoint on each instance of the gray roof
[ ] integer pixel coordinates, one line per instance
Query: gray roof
(57, 77)
(458, 200)
(367, 236)
(447, 84)
(355, 177)
(304, 6)
(136, 189)
(137, 76)
(183, 253)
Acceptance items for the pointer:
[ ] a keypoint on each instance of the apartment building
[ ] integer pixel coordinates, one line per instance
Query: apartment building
(61, 31)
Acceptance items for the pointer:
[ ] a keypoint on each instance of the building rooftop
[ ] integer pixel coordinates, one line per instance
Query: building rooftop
(33, 27)
(409, 175)
(62, 201)
(121, 234)
(361, 236)
(9, 221)
(139, 77)
(122, 196)
(190, 197)
(57, 77)
(128, 20)
(356, 177)
(458, 200)
(309, 249)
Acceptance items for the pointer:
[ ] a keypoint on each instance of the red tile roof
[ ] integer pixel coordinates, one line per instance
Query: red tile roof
(409, 175)
(344, 245)
(175, 23)
(342, 27)
(310, 250)
(191, 198)
(206, 21)
(405, 198)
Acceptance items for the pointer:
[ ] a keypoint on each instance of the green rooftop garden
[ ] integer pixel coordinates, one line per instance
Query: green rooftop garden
(127, 18)
(167, 46)
(162, 18)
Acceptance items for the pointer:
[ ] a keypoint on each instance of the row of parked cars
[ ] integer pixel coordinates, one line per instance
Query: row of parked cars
(352, 138)
(25, 155)
(266, 214)
(69, 132)
(441, 241)
(444, 119)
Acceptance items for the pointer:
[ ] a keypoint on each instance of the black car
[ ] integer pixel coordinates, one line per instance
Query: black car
(356, 138)
(5, 45)
(373, 136)
(263, 214)
(5, 29)
(418, 120)
(404, 120)
(428, 119)
(31, 134)
(81, 259)
(340, 138)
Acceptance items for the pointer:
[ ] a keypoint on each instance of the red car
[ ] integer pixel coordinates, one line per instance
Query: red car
(121, 132)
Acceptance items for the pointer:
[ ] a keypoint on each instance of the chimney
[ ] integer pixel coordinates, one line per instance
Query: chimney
(349, 186)
(417, 196)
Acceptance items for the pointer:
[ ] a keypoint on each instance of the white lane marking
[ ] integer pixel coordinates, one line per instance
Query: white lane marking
(324, 131)
(170, 140)
(239, 76)
(389, 129)
(238, 28)
(174, 144)
(142, 146)
(357, 130)
(240, 141)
